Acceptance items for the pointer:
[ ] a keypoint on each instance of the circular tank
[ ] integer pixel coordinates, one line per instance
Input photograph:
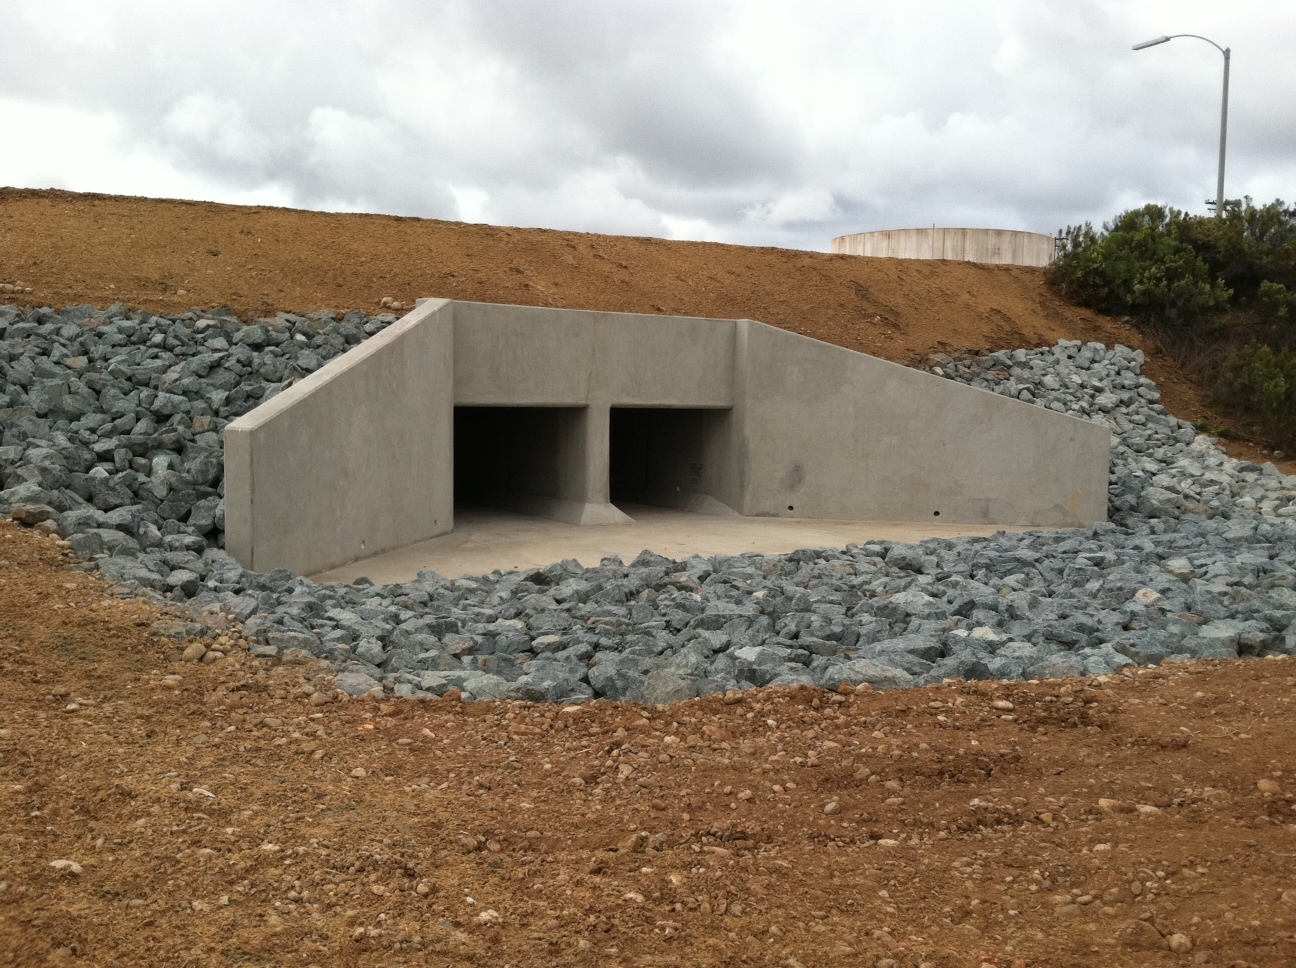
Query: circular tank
(992, 246)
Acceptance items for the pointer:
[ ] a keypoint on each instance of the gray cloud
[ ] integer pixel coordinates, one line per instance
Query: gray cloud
(749, 121)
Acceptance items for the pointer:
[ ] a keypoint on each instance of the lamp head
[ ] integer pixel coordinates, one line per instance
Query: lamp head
(1150, 43)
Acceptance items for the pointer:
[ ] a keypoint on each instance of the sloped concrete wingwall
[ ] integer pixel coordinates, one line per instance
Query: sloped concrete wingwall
(352, 461)
(825, 432)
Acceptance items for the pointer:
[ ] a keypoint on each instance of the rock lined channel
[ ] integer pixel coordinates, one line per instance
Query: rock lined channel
(110, 436)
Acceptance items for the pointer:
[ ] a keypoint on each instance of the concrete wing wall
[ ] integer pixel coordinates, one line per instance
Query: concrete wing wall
(821, 431)
(352, 461)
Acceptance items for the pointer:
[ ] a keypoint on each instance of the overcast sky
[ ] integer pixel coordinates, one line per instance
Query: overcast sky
(763, 123)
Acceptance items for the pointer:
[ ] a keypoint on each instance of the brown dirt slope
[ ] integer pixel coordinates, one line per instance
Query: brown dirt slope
(75, 248)
(160, 812)
(169, 256)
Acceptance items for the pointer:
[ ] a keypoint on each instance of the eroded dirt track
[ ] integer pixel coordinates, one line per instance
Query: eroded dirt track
(218, 815)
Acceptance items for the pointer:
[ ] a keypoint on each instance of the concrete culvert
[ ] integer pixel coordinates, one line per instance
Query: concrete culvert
(659, 456)
(520, 459)
(734, 416)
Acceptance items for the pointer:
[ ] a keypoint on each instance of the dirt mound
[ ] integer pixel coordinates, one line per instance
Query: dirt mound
(170, 256)
(160, 812)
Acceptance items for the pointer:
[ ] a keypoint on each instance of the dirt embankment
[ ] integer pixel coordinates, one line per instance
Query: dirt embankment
(169, 256)
(156, 812)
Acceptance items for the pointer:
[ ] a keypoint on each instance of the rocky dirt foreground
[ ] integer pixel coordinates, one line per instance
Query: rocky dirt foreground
(224, 813)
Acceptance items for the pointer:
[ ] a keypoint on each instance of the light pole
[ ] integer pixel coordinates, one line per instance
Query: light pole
(1219, 182)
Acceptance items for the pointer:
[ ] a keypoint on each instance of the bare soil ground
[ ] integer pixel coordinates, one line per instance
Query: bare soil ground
(161, 812)
(154, 811)
(170, 256)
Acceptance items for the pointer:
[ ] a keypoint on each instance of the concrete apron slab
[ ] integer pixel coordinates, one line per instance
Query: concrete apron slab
(486, 540)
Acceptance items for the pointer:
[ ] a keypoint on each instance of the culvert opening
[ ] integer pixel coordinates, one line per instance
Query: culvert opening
(666, 456)
(515, 458)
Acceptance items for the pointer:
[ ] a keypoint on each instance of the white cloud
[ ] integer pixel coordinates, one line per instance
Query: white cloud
(752, 121)
(67, 23)
(473, 203)
(215, 126)
(590, 199)
(88, 151)
(804, 205)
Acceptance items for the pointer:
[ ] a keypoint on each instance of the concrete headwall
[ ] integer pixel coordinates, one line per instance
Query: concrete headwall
(993, 246)
(525, 356)
(725, 416)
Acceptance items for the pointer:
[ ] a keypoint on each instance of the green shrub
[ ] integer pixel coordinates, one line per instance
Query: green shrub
(1137, 266)
(1206, 285)
(1246, 247)
(1261, 383)
(1275, 304)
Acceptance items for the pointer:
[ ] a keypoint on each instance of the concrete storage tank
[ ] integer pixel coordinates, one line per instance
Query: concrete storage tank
(993, 246)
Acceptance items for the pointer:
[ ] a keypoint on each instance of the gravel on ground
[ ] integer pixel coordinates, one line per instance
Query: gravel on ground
(111, 437)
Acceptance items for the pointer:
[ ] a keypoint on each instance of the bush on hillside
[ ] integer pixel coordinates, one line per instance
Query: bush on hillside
(1261, 383)
(1206, 285)
(1247, 247)
(1137, 266)
(1275, 304)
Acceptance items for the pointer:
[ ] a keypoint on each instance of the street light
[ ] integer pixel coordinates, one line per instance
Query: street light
(1219, 182)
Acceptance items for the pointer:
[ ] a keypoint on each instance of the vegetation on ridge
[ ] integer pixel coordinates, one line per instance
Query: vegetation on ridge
(1219, 292)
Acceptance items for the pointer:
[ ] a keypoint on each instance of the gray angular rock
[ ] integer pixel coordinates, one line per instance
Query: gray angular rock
(548, 686)
(371, 651)
(356, 683)
(287, 641)
(865, 671)
(663, 686)
(1057, 666)
(130, 571)
(485, 686)
(177, 630)
(616, 682)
